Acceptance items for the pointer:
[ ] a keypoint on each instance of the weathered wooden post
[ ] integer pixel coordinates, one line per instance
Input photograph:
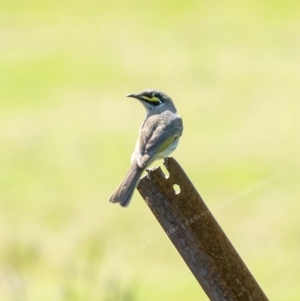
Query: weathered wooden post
(197, 236)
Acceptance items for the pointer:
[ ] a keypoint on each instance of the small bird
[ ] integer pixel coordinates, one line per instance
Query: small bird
(158, 137)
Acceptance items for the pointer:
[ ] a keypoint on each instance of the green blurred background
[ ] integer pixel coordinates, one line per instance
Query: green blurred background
(67, 134)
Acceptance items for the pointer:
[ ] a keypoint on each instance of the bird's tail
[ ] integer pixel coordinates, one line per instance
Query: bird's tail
(124, 192)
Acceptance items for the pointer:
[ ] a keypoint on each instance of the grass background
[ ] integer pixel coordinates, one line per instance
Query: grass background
(67, 133)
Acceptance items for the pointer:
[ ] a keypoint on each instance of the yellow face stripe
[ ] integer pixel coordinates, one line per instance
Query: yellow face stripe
(152, 99)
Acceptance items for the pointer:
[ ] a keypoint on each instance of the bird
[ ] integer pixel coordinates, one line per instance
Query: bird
(158, 137)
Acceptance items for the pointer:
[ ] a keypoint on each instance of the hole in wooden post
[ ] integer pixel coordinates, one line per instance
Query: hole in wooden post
(176, 188)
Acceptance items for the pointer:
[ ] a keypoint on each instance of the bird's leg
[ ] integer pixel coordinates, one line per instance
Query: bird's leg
(166, 162)
(148, 173)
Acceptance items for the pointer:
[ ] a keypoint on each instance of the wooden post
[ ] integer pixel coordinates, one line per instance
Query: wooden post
(197, 236)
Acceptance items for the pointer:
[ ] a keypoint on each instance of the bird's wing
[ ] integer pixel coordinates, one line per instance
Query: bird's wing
(156, 138)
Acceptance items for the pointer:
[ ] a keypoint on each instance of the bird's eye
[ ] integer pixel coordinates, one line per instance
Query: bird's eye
(150, 95)
(157, 96)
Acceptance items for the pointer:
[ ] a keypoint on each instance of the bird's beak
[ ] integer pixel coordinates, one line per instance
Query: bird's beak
(133, 95)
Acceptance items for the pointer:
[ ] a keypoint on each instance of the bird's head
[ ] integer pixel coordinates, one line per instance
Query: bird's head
(153, 99)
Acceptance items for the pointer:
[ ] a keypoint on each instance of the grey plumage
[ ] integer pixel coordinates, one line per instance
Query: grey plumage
(158, 137)
(124, 192)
